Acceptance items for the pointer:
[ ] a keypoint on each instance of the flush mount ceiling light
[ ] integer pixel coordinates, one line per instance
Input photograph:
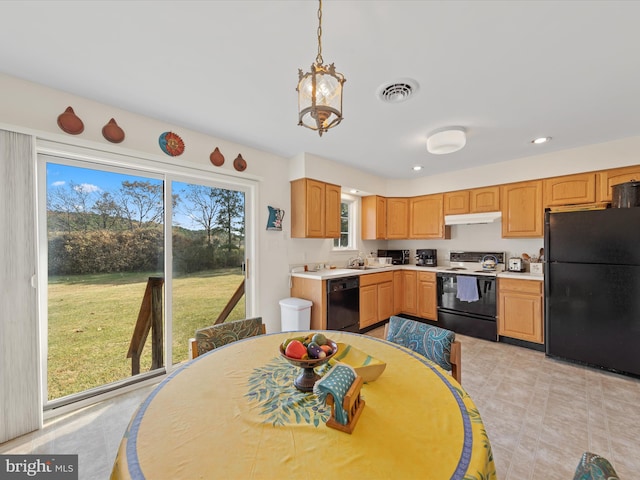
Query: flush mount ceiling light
(320, 92)
(446, 140)
(417, 168)
(540, 140)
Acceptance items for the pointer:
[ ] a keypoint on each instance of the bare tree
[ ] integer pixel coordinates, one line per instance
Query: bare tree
(141, 203)
(74, 201)
(202, 206)
(107, 210)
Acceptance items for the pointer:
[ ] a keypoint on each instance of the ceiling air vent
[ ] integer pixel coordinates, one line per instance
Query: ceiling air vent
(397, 91)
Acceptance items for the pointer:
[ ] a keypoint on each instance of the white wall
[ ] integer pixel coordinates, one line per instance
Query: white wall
(32, 108)
(618, 153)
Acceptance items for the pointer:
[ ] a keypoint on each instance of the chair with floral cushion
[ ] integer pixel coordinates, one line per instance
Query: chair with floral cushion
(435, 343)
(594, 467)
(215, 336)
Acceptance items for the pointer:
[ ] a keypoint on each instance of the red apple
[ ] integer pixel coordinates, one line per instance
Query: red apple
(295, 349)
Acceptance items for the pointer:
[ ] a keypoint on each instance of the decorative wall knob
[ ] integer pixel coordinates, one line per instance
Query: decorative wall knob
(70, 123)
(112, 132)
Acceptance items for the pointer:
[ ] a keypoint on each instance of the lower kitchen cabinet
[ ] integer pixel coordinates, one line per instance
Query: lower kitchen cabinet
(409, 297)
(368, 305)
(520, 313)
(316, 291)
(376, 298)
(398, 292)
(427, 304)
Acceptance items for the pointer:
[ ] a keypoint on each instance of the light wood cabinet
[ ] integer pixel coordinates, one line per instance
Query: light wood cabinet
(409, 295)
(333, 198)
(374, 218)
(570, 189)
(385, 300)
(608, 178)
(456, 203)
(398, 292)
(484, 200)
(426, 217)
(427, 296)
(522, 212)
(397, 218)
(368, 305)
(376, 298)
(315, 209)
(520, 309)
(476, 200)
(316, 291)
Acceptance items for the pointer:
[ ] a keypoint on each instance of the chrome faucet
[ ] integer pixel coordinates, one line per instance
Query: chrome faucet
(356, 261)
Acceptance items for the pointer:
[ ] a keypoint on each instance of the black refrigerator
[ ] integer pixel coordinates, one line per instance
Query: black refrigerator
(592, 288)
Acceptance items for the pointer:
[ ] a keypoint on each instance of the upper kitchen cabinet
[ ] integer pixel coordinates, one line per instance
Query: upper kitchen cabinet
(397, 218)
(456, 203)
(477, 200)
(522, 209)
(374, 218)
(426, 217)
(615, 176)
(484, 200)
(333, 200)
(315, 209)
(570, 189)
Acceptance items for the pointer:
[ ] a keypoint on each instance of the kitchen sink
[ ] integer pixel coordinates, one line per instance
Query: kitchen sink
(366, 267)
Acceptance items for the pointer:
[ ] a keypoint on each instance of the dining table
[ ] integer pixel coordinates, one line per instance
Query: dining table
(234, 413)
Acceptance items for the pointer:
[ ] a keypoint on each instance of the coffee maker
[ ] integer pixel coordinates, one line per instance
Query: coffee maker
(427, 257)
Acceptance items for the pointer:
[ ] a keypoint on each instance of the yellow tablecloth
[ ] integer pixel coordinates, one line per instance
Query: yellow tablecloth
(235, 414)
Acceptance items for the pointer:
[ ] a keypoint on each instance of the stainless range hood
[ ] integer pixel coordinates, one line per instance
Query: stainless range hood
(471, 218)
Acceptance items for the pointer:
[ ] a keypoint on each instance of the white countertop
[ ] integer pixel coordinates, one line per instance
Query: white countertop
(522, 276)
(328, 274)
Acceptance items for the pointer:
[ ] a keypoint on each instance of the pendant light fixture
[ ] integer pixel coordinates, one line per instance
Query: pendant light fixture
(320, 92)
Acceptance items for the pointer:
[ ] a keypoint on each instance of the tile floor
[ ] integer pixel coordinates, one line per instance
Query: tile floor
(541, 415)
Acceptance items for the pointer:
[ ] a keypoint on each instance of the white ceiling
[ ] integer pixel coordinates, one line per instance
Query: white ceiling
(506, 71)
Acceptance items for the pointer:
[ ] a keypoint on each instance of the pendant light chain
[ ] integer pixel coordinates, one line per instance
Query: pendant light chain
(320, 91)
(319, 60)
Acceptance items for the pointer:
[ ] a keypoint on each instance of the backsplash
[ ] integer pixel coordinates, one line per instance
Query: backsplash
(479, 237)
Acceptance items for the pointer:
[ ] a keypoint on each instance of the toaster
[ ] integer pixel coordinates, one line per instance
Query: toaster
(516, 264)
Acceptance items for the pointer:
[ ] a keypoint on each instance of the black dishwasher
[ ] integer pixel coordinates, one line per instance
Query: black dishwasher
(343, 304)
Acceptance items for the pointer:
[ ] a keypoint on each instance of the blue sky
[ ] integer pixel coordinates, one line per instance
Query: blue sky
(95, 180)
(99, 181)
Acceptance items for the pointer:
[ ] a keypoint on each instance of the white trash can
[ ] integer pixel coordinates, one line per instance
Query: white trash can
(295, 314)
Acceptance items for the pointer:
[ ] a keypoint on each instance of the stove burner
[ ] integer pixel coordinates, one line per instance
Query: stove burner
(455, 269)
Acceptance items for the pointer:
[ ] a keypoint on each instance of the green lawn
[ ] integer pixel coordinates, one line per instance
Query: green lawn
(92, 317)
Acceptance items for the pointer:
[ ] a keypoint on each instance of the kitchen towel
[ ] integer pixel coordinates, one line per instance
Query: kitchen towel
(337, 382)
(467, 289)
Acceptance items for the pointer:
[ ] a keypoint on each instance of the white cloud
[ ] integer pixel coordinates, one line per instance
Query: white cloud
(59, 183)
(87, 188)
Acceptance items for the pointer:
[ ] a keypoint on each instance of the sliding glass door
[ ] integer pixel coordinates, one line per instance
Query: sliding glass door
(136, 261)
(208, 251)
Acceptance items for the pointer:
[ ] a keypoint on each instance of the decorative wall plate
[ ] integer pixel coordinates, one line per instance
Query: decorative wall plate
(171, 144)
(112, 132)
(216, 157)
(239, 163)
(70, 123)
